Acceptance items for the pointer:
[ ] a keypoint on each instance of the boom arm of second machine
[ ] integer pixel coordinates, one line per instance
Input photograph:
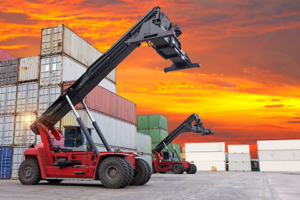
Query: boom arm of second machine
(155, 28)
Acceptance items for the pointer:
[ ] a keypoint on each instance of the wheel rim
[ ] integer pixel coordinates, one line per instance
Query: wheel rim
(112, 172)
(28, 172)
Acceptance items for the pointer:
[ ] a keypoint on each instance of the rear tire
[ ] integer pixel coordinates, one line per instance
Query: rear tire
(178, 169)
(192, 169)
(114, 172)
(54, 181)
(140, 173)
(149, 171)
(29, 172)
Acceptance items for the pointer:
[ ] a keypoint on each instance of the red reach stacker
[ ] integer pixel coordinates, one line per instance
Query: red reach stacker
(159, 164)
(53, 159)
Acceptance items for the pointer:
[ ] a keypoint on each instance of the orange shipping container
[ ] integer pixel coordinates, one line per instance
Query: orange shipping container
(108, 103)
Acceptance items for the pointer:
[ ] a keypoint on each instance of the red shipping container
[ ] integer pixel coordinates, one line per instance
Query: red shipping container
(108, 103)
(6, 56)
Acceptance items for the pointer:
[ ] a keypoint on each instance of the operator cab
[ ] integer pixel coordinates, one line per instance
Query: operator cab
(75, 139)
(166, 156)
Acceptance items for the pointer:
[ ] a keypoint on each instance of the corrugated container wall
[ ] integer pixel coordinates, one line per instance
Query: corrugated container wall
(57, 69)
(23, 135)
(5, 162)
(8, 95)
(18, 158)
(108, 103)
(27, 97)
(119, 134)
(29, 69)
(61, 40)
(156, 134)
(9, 72)
(238, 149)
(278, 145)
(287, 155)
(47, 95)
(144, 145)
(205, 156)
(7, 129)
(279, 166)
(199, 147)
(6, 56)
(152, 121)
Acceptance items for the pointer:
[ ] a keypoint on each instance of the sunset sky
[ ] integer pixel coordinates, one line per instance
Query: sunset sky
(247, 88)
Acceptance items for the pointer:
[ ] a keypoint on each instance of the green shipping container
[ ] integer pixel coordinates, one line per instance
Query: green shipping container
(156, 134)
(170, 147)
(152, 121)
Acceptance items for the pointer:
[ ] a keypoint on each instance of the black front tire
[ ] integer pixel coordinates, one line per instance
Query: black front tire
(141, 173)
(114, 172)
(149, 171)
(192, 169)
(178, 169)
(29, 172)
(54, 181)
(131, 171)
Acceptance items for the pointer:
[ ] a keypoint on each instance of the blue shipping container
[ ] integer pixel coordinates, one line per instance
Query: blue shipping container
(5, 162)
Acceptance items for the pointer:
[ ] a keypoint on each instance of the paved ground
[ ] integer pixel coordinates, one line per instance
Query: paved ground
(203, 185)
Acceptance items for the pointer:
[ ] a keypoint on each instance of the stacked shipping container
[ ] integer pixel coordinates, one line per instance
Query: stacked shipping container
(157, 127)
(279, 155)
(144, 146)
(206, 156)
(239, 158)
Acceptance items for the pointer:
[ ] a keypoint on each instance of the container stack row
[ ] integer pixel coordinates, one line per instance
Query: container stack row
(28, 86)
(206, 156)
(279, 155)
(239, 158)
(157, 127)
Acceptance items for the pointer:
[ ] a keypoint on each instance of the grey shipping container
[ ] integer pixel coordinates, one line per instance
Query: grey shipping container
(18, 158)
(7, 129)
(8, 96)
(23, 135)
(119, 134)
(57, 69)
(9, 72)
(29, 69)
(27, 97)
(62, 40)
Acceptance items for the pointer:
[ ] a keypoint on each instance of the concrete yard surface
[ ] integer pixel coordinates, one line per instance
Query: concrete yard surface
(203, 185)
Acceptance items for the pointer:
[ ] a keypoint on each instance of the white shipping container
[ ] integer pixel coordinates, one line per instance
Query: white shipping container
(23, 135)
(60, 39)
(278, 145)
(288, 155)
(29, 68)
(205, 156)
(47, 95)
(18, 158)
(279, 166)
(143, 143)
(57, 69)
(210, 165)
(238, 149)
(200, 147)
(118, 134)
(27, 96)
(239, 157)
(7, 128)
(8, 96)
(239, 166)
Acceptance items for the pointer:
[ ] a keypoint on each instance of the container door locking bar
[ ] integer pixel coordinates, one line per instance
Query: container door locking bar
(83, 127)
(97, 128)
